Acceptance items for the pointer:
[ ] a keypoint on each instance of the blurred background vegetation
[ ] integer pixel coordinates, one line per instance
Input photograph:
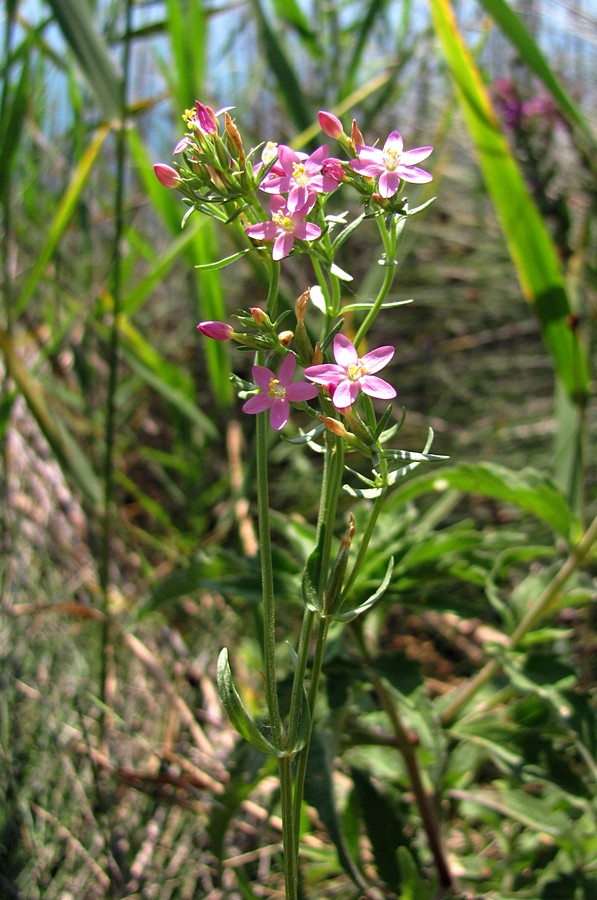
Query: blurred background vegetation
(127, 530)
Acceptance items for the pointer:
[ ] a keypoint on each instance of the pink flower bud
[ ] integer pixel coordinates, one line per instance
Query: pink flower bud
(206, 118)
(334, 168)
(259, 316)
(218, 331)
(166, 175)
(330, 124)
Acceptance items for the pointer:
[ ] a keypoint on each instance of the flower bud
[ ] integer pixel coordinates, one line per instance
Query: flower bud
(334, 168)
(334, 426)
(317, 355)
(285, 337)
(260, 317)
(330, 124)
(300, 307)
(166, 175)
(218, 331)
(206, 118)
(355, 135)
(235, 138)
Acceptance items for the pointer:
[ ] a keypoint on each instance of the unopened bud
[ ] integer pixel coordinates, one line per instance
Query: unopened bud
(260, 317)
(334, 426)
(317, 355)
(300, 307)
(330, 124)
(355, 135)
(285, 337)
(218, 331)
(206, 118)
(235, 138)
(166, 175)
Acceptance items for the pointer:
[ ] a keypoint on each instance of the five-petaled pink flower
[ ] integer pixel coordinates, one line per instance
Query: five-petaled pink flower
(352, 373)
(302, 175)
(392, 165)
(276, 392)
(285, 225)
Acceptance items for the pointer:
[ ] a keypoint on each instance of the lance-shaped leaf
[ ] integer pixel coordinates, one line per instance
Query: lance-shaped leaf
(351, 614)
(529, 243)
(310, 582)
(238, 715)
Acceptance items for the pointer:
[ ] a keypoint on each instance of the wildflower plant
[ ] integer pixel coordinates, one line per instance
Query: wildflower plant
(276, 198)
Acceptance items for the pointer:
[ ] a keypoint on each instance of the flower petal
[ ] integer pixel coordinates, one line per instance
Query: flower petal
(307, 231)
(300, 390)
(410, 157)
(325, 374)
(376, 387)
(345, 394)
(262, 376)
(282, 245)
(261, 231)
(389, 182)
(345, 352)
(413, 174)
(280, 411)
(258, 403)
(286, 370)
(394, 143)
(377, 359)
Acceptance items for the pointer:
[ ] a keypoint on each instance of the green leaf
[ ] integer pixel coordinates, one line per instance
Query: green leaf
(528, 240)
(310, 582)
(526, 489)
(237, 713)
(77, 23)
(367, 604)
(221, 263)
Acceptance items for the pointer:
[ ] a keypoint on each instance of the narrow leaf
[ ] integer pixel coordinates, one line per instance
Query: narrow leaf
(237, 713)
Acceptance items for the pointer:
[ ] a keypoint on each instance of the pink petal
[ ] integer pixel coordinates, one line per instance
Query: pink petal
(394, 143)
(261, 231)
(300, 390)
(389, 182)
(286, 370)
(318, 156)
(298, 198)
(345, 352)
(287, 157)
(277, 203)
(345, 394)
(413, 175)
(275, 184)
(377, 359)
(307, 231)
(279, 413)
(262, 376)
(258, 403)
(376, 387)
(410, 157)
(325, 374)
(282, 245)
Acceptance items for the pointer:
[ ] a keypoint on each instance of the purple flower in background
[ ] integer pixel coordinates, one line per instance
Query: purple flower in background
(285, 225)
(392, 165)
(352, 373)
(276, 392)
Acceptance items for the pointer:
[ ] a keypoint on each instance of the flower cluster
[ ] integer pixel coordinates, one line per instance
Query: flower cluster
(217, 177)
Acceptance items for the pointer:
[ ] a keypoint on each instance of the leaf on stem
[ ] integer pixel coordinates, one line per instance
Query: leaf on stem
(238, 715)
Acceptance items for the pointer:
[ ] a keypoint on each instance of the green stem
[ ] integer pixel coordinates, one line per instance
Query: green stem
(539, 609)
(267, 580)
(290, 834)
(390, 240)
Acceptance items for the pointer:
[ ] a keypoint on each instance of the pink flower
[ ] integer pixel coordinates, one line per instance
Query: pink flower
(218, 331)
(166, 175)
(276, 392)
(302, 175)
(352, 374)
(330, 124)
(333, 168)
(286, 224)
(392, 164)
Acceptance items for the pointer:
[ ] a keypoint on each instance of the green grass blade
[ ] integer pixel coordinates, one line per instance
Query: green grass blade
(361, 35)
(62, 217)
(71, 458)
(297, 105)
(14, 112)
(515, 30)
(97, 65)
(528, 240)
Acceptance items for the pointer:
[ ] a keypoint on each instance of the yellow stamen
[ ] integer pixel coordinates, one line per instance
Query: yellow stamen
(299, 173)
(275, 390)
(357, 370)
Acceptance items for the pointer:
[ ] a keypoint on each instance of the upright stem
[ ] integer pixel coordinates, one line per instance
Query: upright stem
(267, 581)
(390, 240)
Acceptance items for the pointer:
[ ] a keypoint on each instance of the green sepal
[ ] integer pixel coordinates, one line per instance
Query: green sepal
(238, 715)
(363, 607)
(310, 583)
